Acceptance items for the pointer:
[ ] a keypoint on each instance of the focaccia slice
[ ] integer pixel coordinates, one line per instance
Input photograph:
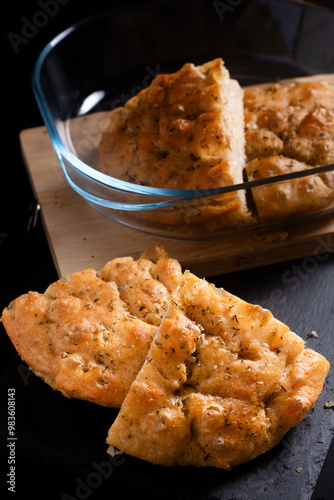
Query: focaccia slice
(185, 131)
(290, 127)
(222, 383)
(88, 334)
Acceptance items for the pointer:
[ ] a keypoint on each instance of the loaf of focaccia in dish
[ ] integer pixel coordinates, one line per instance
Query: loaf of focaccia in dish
(185, 131)
(290, 127)
(89, 333)
(222, 383)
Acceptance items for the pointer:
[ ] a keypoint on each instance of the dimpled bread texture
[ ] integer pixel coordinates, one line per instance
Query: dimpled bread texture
(222, 383)
(89, 333)
(185, 131)
(191, 130)
(290, 127)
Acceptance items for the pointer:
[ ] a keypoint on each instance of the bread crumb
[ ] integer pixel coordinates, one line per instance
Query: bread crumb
(114, 451)
(299, 469)
(329, 404)
(314, 334)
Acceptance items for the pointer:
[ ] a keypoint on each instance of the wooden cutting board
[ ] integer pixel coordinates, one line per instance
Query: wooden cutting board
(80, 237)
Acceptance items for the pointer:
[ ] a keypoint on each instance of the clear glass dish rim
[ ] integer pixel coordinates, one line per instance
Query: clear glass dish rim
(174, 195)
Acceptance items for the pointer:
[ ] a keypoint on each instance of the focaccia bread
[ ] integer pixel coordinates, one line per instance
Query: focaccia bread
(222, 383)
(89, 333)
(185, 131)
(290, 127)
(296, 197)
(195, 129)
(202, 377)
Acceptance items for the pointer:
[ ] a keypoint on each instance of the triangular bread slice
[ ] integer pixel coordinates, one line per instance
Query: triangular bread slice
(184, 131)
(88, 334)
(222, 383)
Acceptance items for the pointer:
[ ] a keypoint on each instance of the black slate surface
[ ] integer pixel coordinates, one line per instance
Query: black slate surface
(60, 447)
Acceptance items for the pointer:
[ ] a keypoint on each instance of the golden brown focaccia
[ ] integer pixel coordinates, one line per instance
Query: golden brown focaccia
(222, 383)
(290, 127)
(89, 333)
(291, 198)
(185, 131)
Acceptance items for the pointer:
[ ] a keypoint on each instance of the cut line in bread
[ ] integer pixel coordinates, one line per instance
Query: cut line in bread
(197, 129)
(185, 131)
(202, 377)
(222, 383)
(89, 333)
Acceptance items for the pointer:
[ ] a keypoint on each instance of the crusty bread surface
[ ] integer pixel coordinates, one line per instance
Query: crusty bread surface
(185, 131)
(222, 383)
(290, 127)
(89, 333)
(197, 129)
(201, 377)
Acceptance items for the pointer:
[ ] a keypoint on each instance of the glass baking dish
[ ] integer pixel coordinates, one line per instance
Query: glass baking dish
(98, 64)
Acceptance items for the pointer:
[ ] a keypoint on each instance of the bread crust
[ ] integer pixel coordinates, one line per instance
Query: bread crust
(203, 378)
(89, 333)
(222, 383)
(288, 199)
(185, 131)
(290, 127)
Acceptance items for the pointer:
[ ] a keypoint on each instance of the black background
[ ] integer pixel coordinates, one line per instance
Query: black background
(25, 260)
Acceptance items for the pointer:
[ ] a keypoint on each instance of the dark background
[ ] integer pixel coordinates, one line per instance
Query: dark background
(25, 260)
